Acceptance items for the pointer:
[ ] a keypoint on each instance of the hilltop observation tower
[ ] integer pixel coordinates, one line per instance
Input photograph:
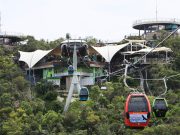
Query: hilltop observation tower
(151, 26)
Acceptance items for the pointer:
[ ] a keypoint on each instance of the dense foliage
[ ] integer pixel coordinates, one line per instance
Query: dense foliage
(36, 110)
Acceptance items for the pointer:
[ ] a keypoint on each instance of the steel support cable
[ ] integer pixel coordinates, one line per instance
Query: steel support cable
(111, 74)
(116, 72)
(172, 76)
(158, 79)
(147, 79)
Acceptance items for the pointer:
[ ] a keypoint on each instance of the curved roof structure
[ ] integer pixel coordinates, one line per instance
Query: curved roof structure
(142, 24)
(31, 58)
(107, 52)
(162, 49)
(148, 49)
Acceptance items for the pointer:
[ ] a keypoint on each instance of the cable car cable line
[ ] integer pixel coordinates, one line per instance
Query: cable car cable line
(158, 79)
(172, 76)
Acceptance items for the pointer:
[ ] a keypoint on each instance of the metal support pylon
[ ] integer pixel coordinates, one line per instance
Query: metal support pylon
(75, 85)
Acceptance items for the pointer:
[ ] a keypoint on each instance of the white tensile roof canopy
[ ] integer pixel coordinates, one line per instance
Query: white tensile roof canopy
(148, 49)
(31, 58)
(107, 52)
(163, 49)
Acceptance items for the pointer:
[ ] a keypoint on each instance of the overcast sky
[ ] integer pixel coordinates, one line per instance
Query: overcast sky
(107, 20)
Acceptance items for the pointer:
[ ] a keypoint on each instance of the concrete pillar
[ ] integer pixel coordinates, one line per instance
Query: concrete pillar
(144, 29)
(139, 33)
(166, 56)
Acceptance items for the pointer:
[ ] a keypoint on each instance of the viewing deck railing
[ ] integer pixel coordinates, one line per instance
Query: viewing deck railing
(156, 60)
(5, 33)
(159, 20)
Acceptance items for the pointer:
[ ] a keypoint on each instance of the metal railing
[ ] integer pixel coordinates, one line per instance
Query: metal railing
(173, 20)
(11, 33)
(155, 60)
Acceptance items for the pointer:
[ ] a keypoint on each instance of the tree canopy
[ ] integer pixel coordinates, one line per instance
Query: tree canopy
(35, 110)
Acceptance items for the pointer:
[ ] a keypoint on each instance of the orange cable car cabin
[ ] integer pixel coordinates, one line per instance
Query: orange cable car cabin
(137, 110)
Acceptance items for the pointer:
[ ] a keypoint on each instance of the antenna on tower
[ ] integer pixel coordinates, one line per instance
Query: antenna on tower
(156, 10)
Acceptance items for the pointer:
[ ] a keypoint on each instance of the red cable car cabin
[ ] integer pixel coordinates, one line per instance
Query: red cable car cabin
(137, 110)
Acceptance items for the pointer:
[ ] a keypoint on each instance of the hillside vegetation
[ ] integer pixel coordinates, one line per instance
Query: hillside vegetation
(35, 110)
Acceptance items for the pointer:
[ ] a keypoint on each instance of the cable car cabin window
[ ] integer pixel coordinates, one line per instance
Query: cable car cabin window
(75, 43)
(84, 91)
(160, 104)
(138, 104)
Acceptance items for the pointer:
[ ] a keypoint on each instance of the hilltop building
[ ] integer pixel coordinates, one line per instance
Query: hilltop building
(53, 64)
(94, 63)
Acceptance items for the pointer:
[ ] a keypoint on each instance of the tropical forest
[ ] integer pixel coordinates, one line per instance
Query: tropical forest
(27, 109)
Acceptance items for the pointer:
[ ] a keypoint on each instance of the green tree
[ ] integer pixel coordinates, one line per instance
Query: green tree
(95, 93)
(5, 100)
(52, 122)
